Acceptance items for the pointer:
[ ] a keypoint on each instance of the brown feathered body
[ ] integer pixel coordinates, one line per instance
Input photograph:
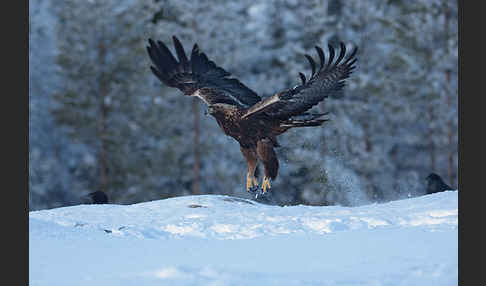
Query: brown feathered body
(247, 131)
(252, 121)
(257, 136)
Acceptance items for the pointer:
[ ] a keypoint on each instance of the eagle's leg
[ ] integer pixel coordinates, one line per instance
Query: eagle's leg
(270, 162)
(251, 157)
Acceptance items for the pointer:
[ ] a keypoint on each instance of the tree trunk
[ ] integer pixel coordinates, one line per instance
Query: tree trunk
(450, 133)
(431, 141)
(195, 185)
(102, 125)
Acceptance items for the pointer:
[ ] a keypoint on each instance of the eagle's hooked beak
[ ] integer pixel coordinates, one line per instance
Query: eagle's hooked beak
(209, 111)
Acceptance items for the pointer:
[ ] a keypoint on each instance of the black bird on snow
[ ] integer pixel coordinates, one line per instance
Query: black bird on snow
(435, 184)
(97, 197)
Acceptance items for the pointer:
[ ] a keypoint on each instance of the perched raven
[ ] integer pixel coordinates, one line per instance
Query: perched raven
(435, 184)
(97, 197)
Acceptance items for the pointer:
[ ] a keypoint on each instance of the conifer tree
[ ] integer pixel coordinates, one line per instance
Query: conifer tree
(103, 86)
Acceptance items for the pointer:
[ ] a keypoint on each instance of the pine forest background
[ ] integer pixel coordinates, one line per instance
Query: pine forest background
(100, 120)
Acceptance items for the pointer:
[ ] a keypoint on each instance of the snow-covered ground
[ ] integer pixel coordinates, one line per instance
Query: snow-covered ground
(220, 240)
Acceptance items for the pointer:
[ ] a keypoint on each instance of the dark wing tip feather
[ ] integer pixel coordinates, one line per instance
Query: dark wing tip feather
(204, 57)
(155, 56)
(160, 75)
(195, 57)
(302, 77)
(312, 63)
(350, 64)
(351, 56)
(181, 54)
(322, 58)
(149, 51)
(331, 56)
(151, 42)
(341, 53)
(151, 48)
(164, 54)
(195, 49)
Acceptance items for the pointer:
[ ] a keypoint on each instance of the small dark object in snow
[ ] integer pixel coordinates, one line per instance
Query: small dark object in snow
(435, 184)
(110, 231)
(259, 193)
(193, 206)
(237, 200)
(97, 197)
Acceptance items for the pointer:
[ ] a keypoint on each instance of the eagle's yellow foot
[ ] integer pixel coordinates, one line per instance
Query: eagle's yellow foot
(251, 183)
(265, 184)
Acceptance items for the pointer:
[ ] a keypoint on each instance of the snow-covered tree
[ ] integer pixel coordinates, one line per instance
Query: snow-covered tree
(104, 99)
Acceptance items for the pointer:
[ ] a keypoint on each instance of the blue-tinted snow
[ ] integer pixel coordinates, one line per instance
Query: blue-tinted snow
(220, 240)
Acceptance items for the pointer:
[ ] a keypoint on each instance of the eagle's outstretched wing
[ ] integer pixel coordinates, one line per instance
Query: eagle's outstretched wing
(198, 76)
(326, 81)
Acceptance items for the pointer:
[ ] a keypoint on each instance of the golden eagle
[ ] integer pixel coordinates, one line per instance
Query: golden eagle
(252, 121)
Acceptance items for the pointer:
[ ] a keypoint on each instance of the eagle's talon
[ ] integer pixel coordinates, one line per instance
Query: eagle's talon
(265, 184)
(251, 184)
(252, 190)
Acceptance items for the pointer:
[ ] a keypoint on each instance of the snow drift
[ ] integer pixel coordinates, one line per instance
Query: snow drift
(222, 240)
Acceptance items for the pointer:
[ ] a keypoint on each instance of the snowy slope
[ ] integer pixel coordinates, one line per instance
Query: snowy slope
(220, 240)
